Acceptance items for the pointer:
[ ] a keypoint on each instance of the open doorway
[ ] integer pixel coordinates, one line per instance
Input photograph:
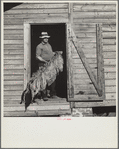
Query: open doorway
(57, 40)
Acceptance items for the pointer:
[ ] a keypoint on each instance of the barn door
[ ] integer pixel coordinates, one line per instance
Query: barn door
(85, 91)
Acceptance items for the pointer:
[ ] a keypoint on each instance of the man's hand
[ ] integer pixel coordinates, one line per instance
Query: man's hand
(41, 59)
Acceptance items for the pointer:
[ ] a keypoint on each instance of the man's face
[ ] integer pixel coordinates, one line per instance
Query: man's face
(45, 40)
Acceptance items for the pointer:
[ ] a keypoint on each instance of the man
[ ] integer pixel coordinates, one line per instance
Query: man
(43, 54)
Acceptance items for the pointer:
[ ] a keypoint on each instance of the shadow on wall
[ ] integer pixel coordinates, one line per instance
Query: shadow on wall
(8, 6)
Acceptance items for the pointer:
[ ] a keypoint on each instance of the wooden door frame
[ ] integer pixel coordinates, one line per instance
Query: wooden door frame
(27, 42)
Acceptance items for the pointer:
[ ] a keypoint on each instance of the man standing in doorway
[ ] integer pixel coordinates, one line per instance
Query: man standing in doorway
(44, 53)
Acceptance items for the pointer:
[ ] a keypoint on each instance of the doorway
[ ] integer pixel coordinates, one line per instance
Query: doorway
(57, 40)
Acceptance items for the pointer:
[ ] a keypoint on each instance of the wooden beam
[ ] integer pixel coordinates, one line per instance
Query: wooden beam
(100, 60)
(85, 62)
(69, 64)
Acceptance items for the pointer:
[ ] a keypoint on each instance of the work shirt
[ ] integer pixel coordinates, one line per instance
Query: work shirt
(45, 51)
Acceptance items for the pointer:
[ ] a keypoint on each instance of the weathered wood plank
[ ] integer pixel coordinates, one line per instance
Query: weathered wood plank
(106, 21)
(13, 37)
(109, 35)
(85, 63)
(86, 51)
(86, 39)
(95, 15)
(78, 29)
(17, 82)
(88, 25)
(83, 87)
(85, 92)
(103, 3)
(77, 66)
(74, 56)
(84, 34)
(110, 82)
(13, 31)
(109, 48)
(23, 11)
(13, 56)
(95, 104)
(13, 92)
(13, 87)
(69, 64)
(6, 27)
(14, 77)
(109, 55)
(41, 5)
(82, 71)
(14, 21)
(110, 96)
(90, 61)
(14, 61)
(109, 75)
(39, 113)
(10, 71)
(36, 15)
(109, 41)
(14, 66)
(20, 51)
(13, 46)
(37, 108)
(110, 69)
(100, 60)
(109, 61)
(109, 27)
(92, 8)
(110, 89)
(86, 97)
(11, 97)
(41, 102)
(13, 41)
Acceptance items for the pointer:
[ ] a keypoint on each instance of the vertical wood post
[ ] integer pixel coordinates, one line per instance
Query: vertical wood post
(27, 53)
(70, 46)
(100, 59)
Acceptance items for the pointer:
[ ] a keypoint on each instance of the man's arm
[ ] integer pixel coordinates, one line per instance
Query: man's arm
(40, 58)
(38, 53)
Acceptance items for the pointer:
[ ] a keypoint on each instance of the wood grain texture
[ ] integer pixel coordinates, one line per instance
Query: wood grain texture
(109, 41)
(94, 7)
(26, 11)
(95, 104)
(13, 46)
(14, 66)
(13, 87)
(106, 21)
(36, 15)
(14, 61)
(11, 71)
(17, 82)
(109, 48)
(108, 55)
(13, 92)
(13, 42)
(7, 27)
(14, 56)
(108, 27)
(41, 6)
(13, 37)
(13, 31)
(85, 63)
(95, 15)
(37, 114)
(109, 35)
(11, 51)
(13, 77)
(70, 83)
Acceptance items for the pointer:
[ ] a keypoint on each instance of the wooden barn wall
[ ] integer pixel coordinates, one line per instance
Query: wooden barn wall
(14, 42)
(83, 15)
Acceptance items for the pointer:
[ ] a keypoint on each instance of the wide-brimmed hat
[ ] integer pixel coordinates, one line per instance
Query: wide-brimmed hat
(44, 35)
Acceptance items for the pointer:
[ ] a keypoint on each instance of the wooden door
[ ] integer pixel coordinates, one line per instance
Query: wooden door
(94, 83)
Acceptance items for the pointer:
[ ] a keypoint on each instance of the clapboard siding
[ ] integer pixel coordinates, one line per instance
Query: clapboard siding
(85, 16)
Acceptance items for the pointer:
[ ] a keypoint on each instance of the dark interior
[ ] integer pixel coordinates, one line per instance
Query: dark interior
(58, 42)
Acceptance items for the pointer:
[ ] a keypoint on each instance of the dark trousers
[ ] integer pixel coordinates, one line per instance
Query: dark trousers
(51, 87)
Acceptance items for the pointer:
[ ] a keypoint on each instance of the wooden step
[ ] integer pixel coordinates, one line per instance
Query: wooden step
(37, 113)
